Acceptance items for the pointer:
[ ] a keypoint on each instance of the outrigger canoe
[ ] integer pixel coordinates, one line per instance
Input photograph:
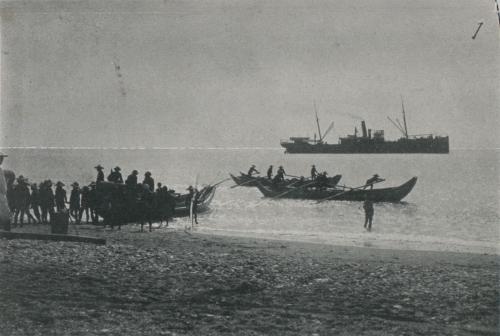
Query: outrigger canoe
(253, 181)
(119, 201)
(394, 194)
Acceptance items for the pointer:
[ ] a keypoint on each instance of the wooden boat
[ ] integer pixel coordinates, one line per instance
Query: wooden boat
(394, 194)
(117, 201)
(253, 181)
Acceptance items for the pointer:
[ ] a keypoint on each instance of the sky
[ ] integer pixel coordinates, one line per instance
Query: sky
(245, 73)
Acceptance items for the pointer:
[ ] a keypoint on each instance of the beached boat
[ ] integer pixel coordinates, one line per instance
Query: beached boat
(394, 194)
(253, 181)
(118, 202)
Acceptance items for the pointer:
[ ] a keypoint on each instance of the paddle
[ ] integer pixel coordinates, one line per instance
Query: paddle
(345, 192)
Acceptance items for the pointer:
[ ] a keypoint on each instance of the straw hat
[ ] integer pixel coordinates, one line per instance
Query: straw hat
(98, 167)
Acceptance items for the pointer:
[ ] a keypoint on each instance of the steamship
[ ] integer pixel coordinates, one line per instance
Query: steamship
(369, 142)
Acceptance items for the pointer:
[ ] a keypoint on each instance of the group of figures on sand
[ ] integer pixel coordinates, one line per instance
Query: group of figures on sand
(115, 201)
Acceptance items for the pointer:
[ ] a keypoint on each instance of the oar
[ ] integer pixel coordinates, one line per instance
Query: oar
(345, 192)
(221, 181)
(288, 191)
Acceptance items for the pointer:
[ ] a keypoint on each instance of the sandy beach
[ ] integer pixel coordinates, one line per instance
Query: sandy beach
(171, 282)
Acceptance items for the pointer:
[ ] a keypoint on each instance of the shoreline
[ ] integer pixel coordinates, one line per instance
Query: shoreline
(171, 282)
(368, 240)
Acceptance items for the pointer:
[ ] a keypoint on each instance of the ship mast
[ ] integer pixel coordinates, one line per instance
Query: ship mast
(404, 117)
(317, 122)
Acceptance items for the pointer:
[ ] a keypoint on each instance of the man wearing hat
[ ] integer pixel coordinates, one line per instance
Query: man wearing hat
(314, 172)
(115, 176)
(74, 202)
(4, 205)
(280, 174)
(100, 173)
(372, 180)
(61, 198)
(252, 170)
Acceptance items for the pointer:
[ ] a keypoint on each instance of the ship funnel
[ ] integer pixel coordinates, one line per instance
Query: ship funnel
(370, 133)
(363, 128)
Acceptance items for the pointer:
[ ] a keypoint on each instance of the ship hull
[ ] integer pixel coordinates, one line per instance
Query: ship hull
(421, 145)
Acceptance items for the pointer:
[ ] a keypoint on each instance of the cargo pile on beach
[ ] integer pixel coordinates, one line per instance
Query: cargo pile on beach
(176, 283)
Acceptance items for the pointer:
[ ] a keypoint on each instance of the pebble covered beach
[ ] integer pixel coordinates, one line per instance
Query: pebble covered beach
(171, 282)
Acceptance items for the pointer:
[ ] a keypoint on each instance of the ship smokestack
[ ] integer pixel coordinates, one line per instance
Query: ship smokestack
(370, 133)
(363, 128)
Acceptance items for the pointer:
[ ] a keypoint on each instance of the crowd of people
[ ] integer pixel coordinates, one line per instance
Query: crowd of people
(38, 202)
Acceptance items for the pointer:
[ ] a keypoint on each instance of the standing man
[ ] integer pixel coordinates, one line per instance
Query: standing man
(4, 205)
(46, 200)
(100, 173)
(21, 200)
(270, 172)
(61, 198)
(148, 180)
(74, 202)
(314, 172)
(35, 202)
(369, 211)
(192, 200)
(85, 203)
(280, 174)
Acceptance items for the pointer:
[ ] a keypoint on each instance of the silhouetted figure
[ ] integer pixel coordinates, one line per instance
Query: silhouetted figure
(252, 171)
(93, 203)
(74, 202)
(131, 180)
(158, 187)
(147, 206)
(85, 204)
(369, 211)
(372, 180)
(60, 196)
(322, 180)
(115, 176)
(100, 173)
(6, 178)
(46, 200)
(314, 172)
(35, 201)
(280, 175)
(270, 172)
(149, 181)
(21, 200)
(192, 201)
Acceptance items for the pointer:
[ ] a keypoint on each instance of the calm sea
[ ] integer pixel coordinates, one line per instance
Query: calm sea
(454, 205)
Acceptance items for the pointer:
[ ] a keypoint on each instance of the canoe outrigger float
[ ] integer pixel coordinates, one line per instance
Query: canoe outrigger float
(394, 194)
(244, 180)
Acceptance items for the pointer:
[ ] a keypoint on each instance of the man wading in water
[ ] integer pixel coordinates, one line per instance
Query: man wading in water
(368, 207)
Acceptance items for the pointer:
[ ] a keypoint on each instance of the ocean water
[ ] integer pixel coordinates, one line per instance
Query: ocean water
(453, 207)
